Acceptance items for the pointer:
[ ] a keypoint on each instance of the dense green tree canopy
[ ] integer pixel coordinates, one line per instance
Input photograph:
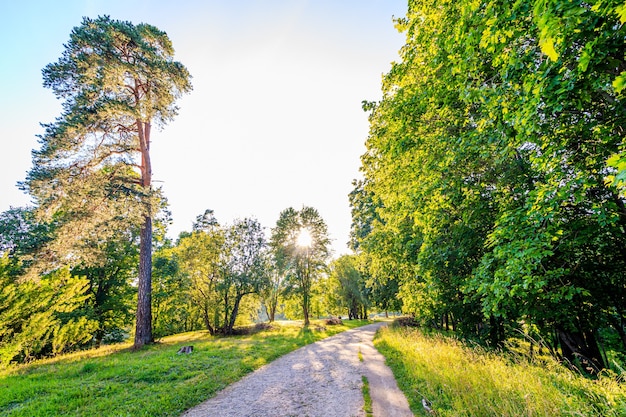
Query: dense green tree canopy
(487, 160)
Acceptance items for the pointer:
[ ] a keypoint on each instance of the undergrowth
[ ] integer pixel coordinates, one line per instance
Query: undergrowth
(468, 381)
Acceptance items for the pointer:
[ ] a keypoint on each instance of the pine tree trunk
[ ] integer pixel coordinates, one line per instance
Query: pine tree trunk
(143, 330)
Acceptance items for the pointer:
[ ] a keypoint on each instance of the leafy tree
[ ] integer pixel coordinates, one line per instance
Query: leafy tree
(38, 318)
(109, 280)
(245, 266)
(117, 80)
(110, 287)
(488, 156)
(222, 265)
(174, 310)
(363, 207)
(200, 259)
(367, 228)
(353, 294)
(21, 235)
(276, 275)
(205, 222)
(306, 259)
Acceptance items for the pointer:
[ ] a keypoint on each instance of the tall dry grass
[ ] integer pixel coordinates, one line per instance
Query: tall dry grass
(468, 381)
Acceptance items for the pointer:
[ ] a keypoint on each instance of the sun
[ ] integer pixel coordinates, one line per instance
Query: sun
(304, 238)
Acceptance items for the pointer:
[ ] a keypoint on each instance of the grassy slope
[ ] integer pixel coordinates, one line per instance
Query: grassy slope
(463, 381)
(155, 381)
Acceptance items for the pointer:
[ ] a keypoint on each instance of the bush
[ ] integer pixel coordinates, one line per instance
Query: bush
(247, 330)
(406, 322)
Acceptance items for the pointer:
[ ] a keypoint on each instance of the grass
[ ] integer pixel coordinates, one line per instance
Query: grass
(468, 381)
(113, 381)
(365, 389)
(367, 406)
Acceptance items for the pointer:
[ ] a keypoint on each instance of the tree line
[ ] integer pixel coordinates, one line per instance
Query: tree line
(91, 257)
(492, 191)
(214, 277)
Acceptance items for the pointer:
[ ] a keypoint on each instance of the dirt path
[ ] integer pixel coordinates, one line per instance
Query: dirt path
(323, 379)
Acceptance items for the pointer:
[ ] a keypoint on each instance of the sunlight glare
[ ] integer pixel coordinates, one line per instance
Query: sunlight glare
(304, 238)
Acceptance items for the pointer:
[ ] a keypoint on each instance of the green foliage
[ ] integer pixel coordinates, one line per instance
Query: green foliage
(379, 258)
(468, 381)
(102, 300)
(301, 265)
(157, 382)
(92, 175)
(618, 180)
(204, 278)
(173, 310)
(352, 293)
(21, 235)
(245, 266)
(110, 286)
(39, 318)
(486, 181)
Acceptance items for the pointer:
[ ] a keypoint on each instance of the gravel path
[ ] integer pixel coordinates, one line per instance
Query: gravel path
(319, 380)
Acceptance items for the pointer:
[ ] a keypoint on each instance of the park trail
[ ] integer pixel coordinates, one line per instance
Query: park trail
(323, 379)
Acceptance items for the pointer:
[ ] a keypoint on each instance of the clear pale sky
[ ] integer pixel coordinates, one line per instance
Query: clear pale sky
(274, 120)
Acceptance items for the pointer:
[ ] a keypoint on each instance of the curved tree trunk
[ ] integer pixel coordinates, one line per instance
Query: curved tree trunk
(233, 314)
(207, 322)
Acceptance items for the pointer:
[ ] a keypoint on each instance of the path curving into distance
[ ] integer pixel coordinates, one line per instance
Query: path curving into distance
(323, 379)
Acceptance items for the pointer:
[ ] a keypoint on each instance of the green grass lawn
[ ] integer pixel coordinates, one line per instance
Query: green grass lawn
(464, 381)
(156, 381)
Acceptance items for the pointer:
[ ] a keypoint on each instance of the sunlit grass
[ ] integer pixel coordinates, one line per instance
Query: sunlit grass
(156, 381)
(464, 381)
(367, 397)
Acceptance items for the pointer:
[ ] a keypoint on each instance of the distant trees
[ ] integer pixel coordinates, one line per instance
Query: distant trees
(245, 266)
(301, 248)
(207, 274)
(492, 166)
(352, 291)
(93, 173)
(213, 277)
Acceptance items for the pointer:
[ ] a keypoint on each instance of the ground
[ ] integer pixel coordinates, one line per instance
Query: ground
(321, 379)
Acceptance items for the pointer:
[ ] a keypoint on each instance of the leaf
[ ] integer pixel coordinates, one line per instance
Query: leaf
(547, 47)
(584, 60)
(621, 11)
(620, 82)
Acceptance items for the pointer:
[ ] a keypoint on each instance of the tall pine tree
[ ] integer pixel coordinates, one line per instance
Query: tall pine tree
(93, 172)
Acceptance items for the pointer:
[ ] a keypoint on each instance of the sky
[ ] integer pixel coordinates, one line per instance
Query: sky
(274, 120)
